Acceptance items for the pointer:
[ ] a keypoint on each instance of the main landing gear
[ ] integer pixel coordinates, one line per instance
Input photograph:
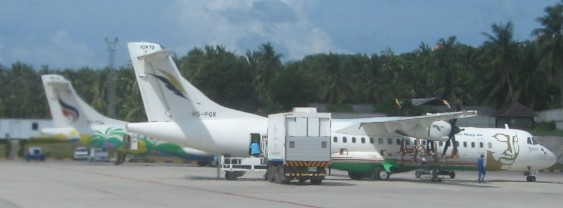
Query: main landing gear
(378, 174)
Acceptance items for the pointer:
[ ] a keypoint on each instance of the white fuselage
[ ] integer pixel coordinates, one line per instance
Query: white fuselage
(505, 149)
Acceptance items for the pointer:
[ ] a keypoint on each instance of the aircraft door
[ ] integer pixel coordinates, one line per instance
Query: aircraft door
(255, 138)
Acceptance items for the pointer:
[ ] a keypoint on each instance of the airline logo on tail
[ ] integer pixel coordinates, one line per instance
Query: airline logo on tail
(69, 111)
(171, 83)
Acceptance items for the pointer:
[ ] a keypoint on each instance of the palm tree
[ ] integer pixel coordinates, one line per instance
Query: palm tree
(503, 53)
(265, 64)
(551, 38)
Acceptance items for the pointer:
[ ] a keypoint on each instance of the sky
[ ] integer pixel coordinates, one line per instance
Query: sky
(64, 34)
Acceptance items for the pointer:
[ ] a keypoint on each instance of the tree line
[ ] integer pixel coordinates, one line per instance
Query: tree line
(500, 71)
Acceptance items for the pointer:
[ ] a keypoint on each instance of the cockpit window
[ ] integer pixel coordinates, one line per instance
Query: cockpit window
(532, 141)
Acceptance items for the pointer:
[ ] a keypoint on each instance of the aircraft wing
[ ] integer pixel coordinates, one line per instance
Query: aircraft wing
(430, 126)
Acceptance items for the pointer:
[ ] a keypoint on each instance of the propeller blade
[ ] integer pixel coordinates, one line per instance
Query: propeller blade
(454, 149)
(446, 147)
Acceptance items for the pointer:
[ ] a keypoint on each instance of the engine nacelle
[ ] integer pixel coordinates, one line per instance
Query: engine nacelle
(63, 133)
(439, 131)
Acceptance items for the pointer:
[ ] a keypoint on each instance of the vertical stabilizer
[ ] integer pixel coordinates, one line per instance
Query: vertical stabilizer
(68, 109)
(167, 96)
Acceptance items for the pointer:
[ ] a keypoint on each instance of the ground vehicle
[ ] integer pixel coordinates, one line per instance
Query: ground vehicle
(98, 154)
(81, 153)
(297, 147)
(35, 153)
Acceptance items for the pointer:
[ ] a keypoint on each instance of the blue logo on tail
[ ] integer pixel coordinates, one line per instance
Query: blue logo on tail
(171, 83)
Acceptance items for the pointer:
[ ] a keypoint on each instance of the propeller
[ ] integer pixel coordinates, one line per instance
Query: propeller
(455, 130)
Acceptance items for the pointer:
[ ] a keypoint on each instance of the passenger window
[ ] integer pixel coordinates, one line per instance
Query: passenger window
(344, 140)
(334, 139)
(529, 140)
(389, 141)
(490, 145)
(353, 139)
(398, 141)
(481, 144)
(415, 142)
(423, 142)
(472, 144)
(371, 140)
(363, 140)
(380, 140)
(407, 141)
(456, 143)
(464, 144)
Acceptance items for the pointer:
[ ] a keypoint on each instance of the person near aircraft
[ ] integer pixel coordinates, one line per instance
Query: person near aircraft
(255, 149)
(481, 169)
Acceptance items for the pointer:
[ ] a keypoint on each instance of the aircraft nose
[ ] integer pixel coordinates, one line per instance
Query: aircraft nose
(551, 158)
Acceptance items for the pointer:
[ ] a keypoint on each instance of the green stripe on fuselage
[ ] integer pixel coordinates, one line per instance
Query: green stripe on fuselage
(391, 166)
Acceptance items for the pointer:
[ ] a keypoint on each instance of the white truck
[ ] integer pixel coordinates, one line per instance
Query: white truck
(297, 146)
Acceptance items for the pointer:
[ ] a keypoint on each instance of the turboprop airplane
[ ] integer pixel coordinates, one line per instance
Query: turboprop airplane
(178, 112)
(75, 120)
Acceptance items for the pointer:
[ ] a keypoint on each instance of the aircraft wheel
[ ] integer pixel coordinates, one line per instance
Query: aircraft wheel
(202, 163)
(355, 175)
(380, 174)
(531, 178)
(452, 174)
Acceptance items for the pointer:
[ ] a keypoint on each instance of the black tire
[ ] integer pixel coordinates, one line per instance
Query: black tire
(277, 175)
(280, 176)
(355, 175)
(531, 178)
(202, 163)
(316, 181)
(230, 176)
(271, 174)
(452, 174)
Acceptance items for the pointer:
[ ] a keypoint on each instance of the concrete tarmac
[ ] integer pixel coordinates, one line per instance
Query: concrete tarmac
(75, 184)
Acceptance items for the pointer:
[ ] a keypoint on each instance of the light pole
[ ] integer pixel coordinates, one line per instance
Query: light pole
(111, 77)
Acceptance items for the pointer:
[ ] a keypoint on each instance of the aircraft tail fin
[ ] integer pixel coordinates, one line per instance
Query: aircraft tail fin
(166, 95)
(67, 108)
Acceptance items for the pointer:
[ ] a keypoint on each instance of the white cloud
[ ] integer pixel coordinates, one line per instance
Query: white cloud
(59, 50)
(244, 25)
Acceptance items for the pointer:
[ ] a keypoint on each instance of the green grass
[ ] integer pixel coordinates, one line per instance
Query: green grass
(544, 132)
